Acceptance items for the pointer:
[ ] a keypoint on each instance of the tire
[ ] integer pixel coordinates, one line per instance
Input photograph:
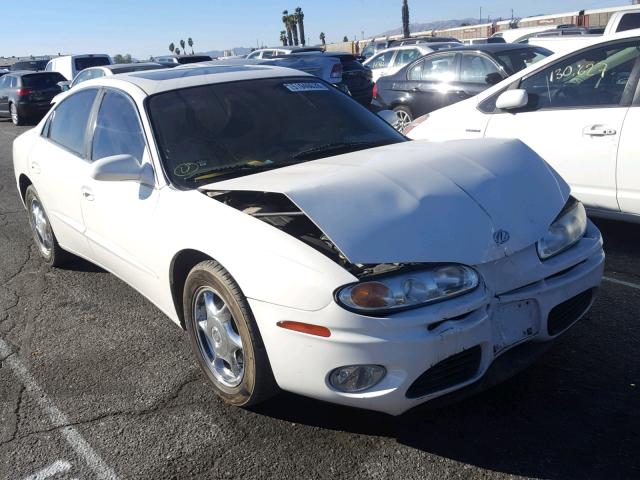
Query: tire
(227, 344)
(15, 116)
(43, 235)
(405, 117)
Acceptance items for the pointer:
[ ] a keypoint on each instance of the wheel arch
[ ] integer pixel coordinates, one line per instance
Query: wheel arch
(23, 183)
(181, 264)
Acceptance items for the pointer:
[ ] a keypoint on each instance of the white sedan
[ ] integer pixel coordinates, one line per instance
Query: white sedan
(580, 111)
(301, 241)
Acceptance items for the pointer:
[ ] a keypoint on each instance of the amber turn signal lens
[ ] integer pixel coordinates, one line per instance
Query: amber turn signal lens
(307, 328)
(371, 295)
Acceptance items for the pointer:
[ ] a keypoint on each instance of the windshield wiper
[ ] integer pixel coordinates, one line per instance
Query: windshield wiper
(221, 172)
(337, 148)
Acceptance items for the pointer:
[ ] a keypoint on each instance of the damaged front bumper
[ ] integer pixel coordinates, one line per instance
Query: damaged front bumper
(440, 349)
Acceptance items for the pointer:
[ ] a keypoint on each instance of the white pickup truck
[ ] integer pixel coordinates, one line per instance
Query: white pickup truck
(619, 22)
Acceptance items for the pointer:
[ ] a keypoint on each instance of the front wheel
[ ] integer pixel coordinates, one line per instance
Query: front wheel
(405, 117)
(225, 338)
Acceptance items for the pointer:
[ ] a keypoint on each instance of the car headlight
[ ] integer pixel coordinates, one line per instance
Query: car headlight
(409, 289)
(569, 227)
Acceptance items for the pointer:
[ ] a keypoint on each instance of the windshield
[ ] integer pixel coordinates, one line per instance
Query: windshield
(208, 132)
(516, 60)
(42, 80)
(86, 62)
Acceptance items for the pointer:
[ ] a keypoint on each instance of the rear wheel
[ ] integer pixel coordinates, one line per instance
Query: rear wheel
(405, 117)
(43, 235)
(225, 338)
(16, 118)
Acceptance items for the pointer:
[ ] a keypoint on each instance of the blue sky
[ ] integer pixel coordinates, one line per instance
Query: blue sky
(146, 27)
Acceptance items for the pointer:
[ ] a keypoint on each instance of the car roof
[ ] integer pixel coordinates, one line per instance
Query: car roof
(20, 73)
(494, 47)
(124, 66)
(156, 81)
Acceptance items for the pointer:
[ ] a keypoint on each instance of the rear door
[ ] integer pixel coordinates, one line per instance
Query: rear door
(577, 107)
(58, 166)
(430, 83)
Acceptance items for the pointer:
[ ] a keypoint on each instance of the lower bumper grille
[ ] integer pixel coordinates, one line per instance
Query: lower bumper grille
(451, 371)
(563, 315)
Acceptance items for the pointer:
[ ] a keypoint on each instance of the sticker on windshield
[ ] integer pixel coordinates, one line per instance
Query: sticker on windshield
(306, 87)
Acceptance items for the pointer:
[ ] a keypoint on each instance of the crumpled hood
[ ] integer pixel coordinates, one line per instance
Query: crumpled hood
(423, 202)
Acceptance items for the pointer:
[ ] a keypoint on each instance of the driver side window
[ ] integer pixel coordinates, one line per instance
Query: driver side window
(595, 78)
(118, 130)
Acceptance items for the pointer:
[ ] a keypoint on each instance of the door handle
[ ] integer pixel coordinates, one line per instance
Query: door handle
(414, 90)
(87, 194)
(35, 167)
(598, 131)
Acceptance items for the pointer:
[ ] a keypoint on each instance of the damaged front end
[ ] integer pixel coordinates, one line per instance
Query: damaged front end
(280, 212)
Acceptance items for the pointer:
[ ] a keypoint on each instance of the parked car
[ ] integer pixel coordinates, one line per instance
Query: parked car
(265, 53)
(250, 205)
(26, 96)
(108, 70)
(70, 65)
(31, 65)
(389, 61)
(447, 77)
(175, 60)
(580, 111)
(356, 77)
(374, 47)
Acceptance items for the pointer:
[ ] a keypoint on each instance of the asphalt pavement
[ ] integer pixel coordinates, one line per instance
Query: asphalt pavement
(95, 382)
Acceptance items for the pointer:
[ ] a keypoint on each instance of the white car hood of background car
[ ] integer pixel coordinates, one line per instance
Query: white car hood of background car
(464, 201)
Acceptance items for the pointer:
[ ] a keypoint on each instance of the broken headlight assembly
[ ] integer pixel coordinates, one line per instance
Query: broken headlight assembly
(566, 230)
(409, 289)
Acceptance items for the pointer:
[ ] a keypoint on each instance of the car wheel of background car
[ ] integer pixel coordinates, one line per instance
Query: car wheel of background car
(225, 338)
(45, 239)
(404, 117)
(15, 116)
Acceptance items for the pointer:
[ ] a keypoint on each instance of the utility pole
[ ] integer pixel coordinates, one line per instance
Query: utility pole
(480, 15)
(512, 14)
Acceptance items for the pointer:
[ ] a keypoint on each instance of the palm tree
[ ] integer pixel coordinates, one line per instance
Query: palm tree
(300, 15)
(287, 26)
(293, 25)
(283, 38)
(405, 19)
(177, 51)
(323, 39)
(190, 43)
(182, 44)
(172, 47)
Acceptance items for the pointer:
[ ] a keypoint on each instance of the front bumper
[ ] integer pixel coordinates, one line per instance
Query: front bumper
(437, 350)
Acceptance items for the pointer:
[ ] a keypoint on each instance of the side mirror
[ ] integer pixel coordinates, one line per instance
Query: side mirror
(64, 86)
(512, 99)
(390, 117)
(121, 168)
(493, 78)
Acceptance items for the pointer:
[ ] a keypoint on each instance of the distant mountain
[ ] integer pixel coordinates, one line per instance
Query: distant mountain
(437, 25)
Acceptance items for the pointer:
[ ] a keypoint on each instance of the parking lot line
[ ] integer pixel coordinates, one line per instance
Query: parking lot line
(56, 416)
(622, 282)
(59, 466)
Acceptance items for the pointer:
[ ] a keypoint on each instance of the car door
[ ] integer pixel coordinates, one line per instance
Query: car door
(119, 214)
(574, 117)
(628, 171)
(380, 62)
(58, 166)
(4, 95)
(477, 73)
(430, 83)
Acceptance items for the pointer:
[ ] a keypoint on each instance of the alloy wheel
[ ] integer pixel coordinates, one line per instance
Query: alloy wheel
(41, 227)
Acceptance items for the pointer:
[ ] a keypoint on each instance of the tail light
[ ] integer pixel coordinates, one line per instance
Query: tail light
(23, 92)
(375, 90)
(336, 71)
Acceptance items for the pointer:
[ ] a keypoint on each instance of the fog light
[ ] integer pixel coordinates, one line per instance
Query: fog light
(356, 378)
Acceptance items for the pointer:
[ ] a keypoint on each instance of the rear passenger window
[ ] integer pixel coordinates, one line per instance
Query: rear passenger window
(68, 123)
(118, 129)
(475, 69)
